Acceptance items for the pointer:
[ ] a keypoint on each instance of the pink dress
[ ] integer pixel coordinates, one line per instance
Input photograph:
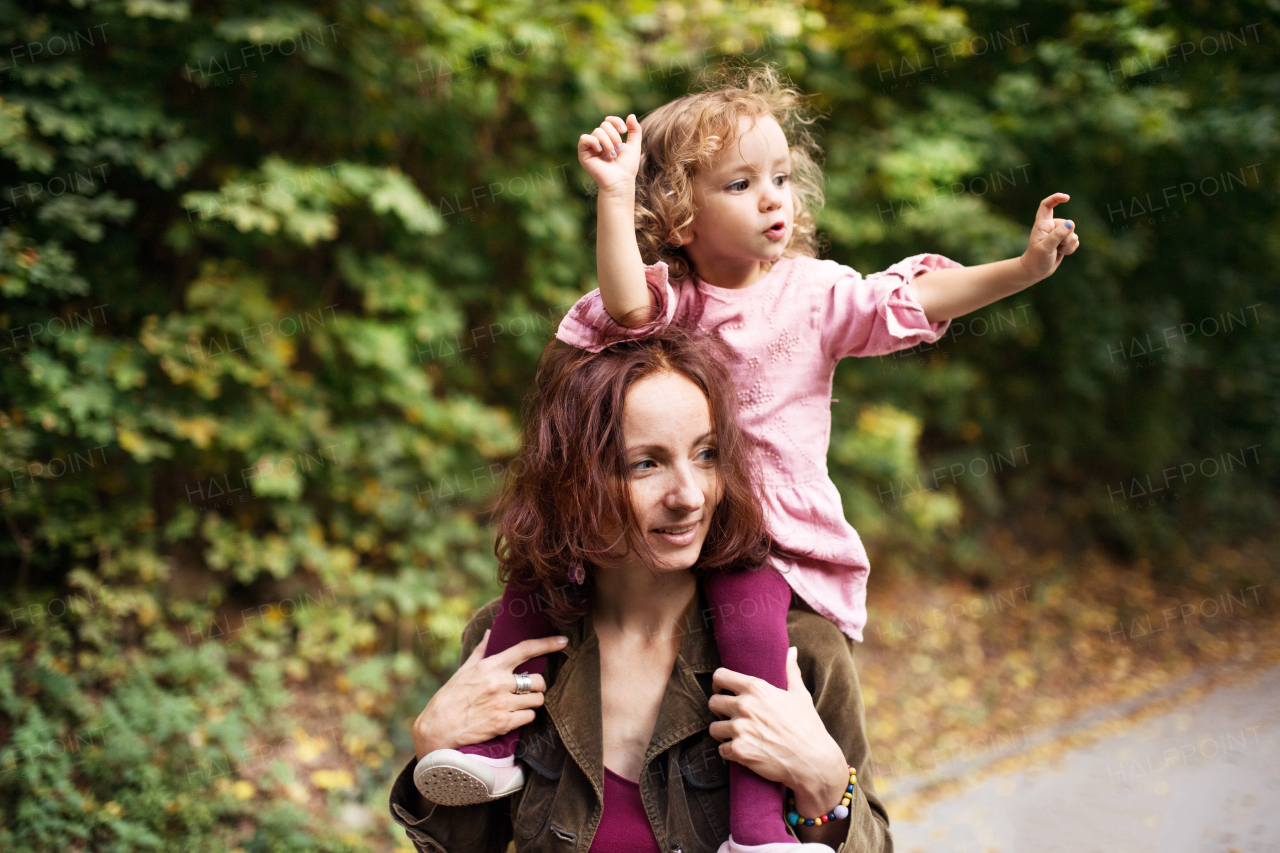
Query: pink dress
(790, 329)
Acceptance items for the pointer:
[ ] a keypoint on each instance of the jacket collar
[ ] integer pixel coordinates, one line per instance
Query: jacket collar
(574, 702)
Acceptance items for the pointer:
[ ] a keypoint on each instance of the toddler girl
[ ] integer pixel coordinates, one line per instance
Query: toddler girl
(712, 224)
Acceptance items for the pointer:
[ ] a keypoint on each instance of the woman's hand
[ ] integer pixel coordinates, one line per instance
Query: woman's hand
(479, 701)
(779, 735)
(1051, 240)
(596, 153)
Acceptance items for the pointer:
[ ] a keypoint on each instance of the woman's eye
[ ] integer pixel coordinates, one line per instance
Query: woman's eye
(707, 454)
(639, 466)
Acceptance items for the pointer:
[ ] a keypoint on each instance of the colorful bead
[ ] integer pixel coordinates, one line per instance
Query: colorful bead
(840, 812)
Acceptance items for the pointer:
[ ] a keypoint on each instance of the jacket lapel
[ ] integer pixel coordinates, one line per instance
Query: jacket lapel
(573, 702)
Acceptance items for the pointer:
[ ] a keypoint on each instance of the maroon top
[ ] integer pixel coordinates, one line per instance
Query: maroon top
(624, 826)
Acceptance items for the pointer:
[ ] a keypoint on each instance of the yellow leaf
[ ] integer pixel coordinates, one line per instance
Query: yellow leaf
(308, 747)
(243, 790)
(200, 431)
(332, 779)
(130, 440)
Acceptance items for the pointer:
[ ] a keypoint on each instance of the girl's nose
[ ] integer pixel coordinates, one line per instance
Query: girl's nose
(772, 198)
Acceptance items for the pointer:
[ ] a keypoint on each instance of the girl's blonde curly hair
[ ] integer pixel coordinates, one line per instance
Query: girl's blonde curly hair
(683, 137)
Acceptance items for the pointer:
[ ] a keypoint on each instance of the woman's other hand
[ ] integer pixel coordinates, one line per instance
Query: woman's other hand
(479, 701)
(779, 735)
(610, 162)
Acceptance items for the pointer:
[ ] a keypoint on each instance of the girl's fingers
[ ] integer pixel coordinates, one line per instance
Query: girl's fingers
(592, 143)
(606, 144)
(606, 140)
(1055, 231)
(609, 147)
(1045, 211)
(612, 133)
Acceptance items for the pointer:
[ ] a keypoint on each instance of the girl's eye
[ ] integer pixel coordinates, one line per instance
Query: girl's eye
(784, 179)
(743, 182)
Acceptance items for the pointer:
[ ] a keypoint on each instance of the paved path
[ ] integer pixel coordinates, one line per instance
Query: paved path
(1202, 778)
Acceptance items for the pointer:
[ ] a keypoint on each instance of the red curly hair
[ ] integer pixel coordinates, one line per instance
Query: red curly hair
(568, 485)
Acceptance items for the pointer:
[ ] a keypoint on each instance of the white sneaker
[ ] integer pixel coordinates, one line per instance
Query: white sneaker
(732, 846)
(453, 778)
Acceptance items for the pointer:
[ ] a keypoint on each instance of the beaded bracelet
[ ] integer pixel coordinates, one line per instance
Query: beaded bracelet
(840, 812)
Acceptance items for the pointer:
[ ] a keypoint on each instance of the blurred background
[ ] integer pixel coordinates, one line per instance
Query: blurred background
(275, 277)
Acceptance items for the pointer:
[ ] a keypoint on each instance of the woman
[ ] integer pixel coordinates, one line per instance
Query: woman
(633, 458)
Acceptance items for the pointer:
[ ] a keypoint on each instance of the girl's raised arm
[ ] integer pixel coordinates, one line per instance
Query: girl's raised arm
(613, 165)
(948, 293)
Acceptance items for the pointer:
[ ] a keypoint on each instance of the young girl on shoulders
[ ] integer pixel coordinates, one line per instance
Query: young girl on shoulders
(706, 217)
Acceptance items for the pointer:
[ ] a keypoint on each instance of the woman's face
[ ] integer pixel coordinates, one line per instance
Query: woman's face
(670, 466)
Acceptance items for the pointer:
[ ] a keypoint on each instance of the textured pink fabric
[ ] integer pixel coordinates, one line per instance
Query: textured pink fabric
(790, 329)
(624, 826)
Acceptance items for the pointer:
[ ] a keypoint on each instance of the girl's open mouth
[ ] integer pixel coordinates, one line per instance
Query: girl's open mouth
(777, 230)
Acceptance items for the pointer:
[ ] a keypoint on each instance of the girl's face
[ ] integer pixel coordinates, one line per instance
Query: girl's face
(745, 209)
(671, 466)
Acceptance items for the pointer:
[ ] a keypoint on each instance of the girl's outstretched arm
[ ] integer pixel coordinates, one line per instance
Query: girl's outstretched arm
(949, 293)
(613, 165)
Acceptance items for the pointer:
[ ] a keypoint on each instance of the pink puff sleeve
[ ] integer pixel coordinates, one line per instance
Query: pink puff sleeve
(588, 325)
(879, 314)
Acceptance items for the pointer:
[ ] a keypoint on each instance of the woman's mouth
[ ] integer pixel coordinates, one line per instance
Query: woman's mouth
(678, 535)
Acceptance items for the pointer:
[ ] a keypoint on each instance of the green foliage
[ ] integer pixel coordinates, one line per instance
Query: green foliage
(275, 277)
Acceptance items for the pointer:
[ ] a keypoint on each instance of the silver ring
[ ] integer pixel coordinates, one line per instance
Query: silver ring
(523, 683)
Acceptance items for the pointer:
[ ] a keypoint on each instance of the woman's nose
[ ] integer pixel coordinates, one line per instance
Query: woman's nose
(685, 492)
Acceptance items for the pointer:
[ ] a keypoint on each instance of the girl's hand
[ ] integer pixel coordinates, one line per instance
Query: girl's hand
(596, 153)
(1051, 240)
(479, 701)
(779, 735)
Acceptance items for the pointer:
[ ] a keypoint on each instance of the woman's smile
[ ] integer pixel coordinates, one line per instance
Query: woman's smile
(679, 536)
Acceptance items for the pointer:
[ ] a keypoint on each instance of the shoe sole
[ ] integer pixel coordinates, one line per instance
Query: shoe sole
(450, 786)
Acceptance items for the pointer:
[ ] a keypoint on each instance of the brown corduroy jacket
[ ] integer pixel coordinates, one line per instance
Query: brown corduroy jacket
(683, 781)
